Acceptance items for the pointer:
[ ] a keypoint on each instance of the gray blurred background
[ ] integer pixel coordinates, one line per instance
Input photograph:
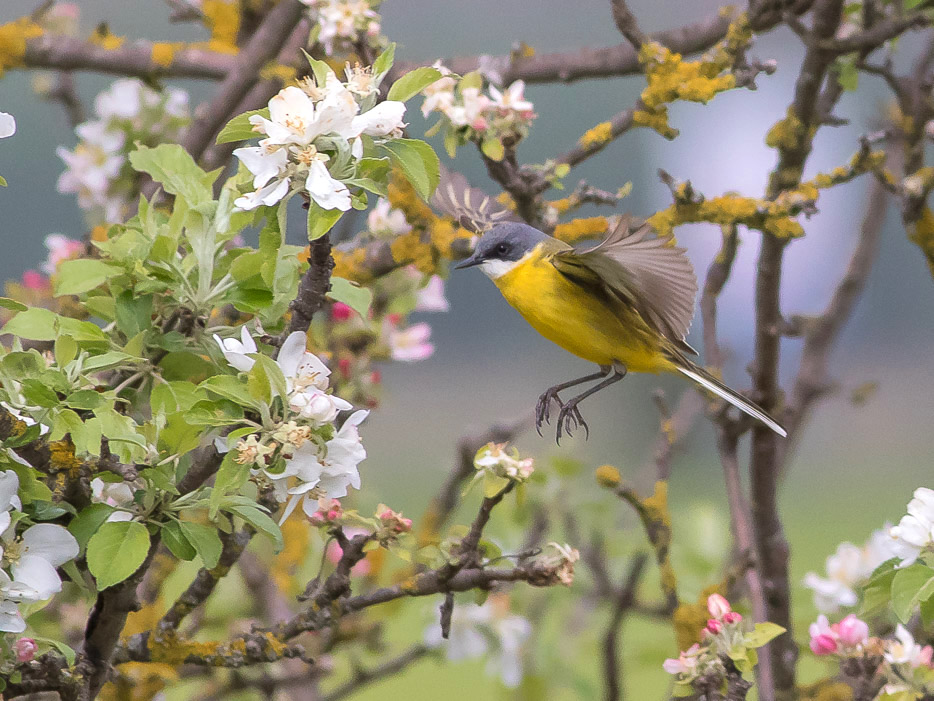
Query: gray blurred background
(857, 464)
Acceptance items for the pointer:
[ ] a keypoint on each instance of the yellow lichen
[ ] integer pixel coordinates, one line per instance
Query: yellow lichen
(580, 229)
(103, 38)
(669, 77)
(163, 53)
(608, 476)
(277, 71)
(597, 136)
(787, 133)
(296, 534)
(13, 38)
(826, 690)
(922, 234)
(222, 18)
(139, 681)
(350, 264)
(62, 458)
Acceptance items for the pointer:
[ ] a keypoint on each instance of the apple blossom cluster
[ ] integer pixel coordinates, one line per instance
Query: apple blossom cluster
(914, 533)
(356, 342)
(849, 568)
(305, 456)
(905, 666)
(468, 115)
(341, 25)
(28, 556)
(489, 629)
(97, 169)
(314, 139)
(727, 649)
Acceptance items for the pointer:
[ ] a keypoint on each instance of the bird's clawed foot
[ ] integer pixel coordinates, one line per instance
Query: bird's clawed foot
(569, 418)
(543, 408)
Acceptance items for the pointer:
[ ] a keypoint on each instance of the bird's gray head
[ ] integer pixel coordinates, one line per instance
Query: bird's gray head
(499, 249)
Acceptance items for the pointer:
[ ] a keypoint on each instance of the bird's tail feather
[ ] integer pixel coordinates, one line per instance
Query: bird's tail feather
(709, 382)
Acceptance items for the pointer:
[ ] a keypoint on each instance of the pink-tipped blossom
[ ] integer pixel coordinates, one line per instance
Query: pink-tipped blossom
(411, 344)
(852, 631)
(718, 606)
(431, 297)
(823, 645)
(684, 663)
(714, 626)
(25, 649)
(61, 248)
(34, 280)
(341, 312)
(732, 618)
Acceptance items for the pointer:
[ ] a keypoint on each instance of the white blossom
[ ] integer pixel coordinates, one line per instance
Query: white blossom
(9, 485)
(430, 298)
(511, 98)
(116, 494)
(486, 630)
(7, 125)
(847, 569)
(384, 220)
(236, 352)
(411, 343)
(904, 650)
(915, 531)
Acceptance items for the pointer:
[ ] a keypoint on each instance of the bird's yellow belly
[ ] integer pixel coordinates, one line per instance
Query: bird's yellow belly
(567, 315)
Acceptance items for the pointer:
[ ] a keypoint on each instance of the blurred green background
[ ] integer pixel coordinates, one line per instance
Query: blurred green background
(855, 466)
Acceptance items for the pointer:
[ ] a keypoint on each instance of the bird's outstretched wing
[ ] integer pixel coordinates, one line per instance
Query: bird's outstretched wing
(473, 209)
(646, 272)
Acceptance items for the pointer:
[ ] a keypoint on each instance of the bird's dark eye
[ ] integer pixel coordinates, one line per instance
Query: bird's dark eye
(502, 249)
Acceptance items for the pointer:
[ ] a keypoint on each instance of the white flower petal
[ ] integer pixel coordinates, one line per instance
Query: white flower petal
(50, 542)
(37, 573)
(326, 191)
(7, 125)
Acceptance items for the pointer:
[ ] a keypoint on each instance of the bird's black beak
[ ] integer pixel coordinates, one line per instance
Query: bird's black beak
(469, 262)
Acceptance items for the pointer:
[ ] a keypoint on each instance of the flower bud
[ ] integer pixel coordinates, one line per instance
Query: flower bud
(341, 312)
(26, 649)
(732, 618)
(823, 644)
(343, 365)
(852, 631)
(714, 626)
(718, 606)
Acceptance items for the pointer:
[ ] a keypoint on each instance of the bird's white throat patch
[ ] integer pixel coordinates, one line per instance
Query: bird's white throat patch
(497, 268)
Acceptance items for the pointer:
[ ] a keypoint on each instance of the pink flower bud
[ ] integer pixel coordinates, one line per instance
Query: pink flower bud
(823, 644)
(317, 519)
(34, 280)
(343, 365)
(26, 649)
(480, 124)
(924, 657)
(718, 606)
(333, 515)
(341, 312)
(732, 618)
(852, 631)
(714, 626)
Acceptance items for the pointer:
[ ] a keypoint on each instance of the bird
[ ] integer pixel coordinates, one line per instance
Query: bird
(625, 304)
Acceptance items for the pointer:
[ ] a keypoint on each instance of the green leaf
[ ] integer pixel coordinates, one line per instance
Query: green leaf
(356, 297)
(88, 521)
(493, 149)
(69, 654)
(66, 350)
(205, 540)
(39, 394)
(383, 62)
(133, 313)
(2, 181)
(320, 69)
(116, 551)
(176, 541)
(34, 324)
(12, 304)
(173, 167)
(847, 75)
(31, 488)
(231, 476)
(230, 388)
(320, 220)
(418, 162)
(85, 399)
(74, 277)
(413, 83)
(906, 587)
(273, 374)
(239, 128)
(762, 634)
(260, 521)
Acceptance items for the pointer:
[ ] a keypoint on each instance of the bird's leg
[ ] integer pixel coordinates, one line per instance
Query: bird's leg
(570, 413)
(543, 408)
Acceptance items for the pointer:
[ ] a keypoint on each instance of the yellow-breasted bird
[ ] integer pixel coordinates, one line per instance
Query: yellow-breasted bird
(624, 304)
